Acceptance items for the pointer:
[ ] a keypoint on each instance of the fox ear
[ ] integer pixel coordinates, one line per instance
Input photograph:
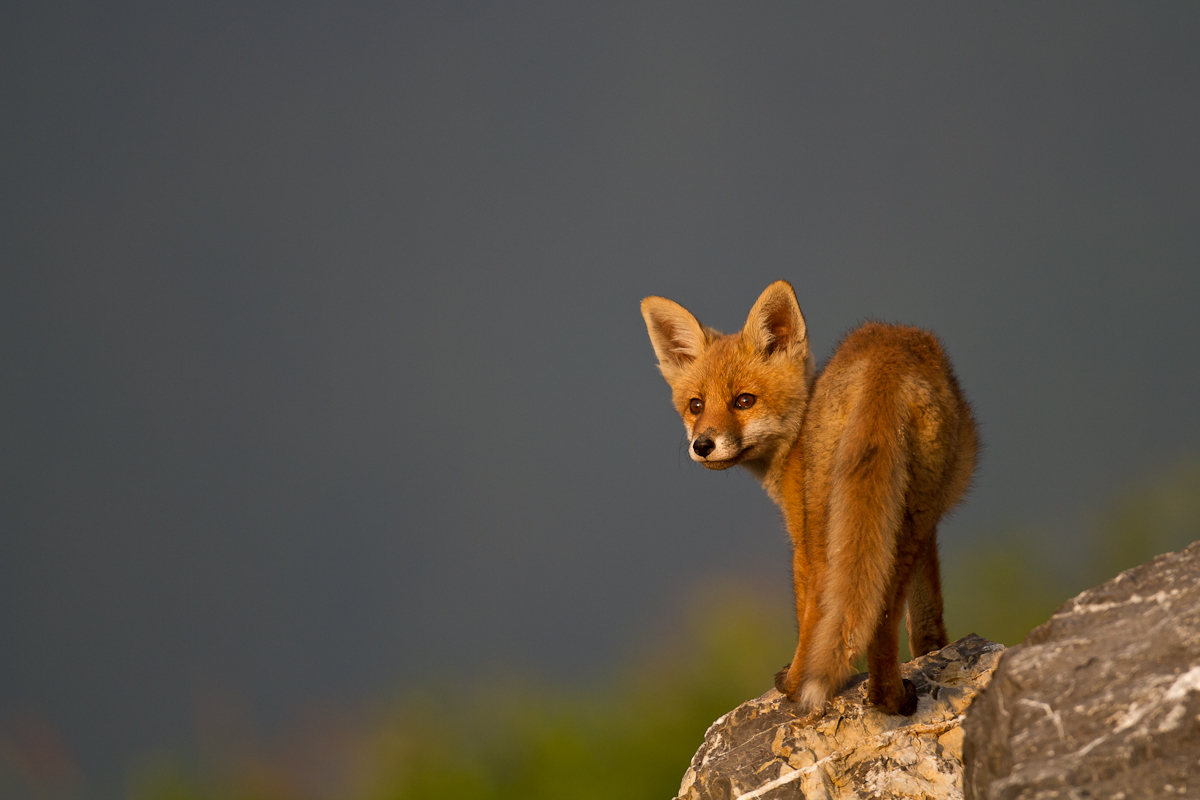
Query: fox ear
(677, 336)
(775, 323)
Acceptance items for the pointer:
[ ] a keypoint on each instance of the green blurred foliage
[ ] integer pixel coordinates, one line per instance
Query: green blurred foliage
(1159, 515)
(633, 734)
(1015, 578)
(1001, 588)
(630, 736)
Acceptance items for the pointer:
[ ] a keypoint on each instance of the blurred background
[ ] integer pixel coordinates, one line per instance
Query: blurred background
(334, 461)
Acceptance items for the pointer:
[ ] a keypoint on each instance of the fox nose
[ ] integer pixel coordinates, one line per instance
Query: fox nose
(703, 446)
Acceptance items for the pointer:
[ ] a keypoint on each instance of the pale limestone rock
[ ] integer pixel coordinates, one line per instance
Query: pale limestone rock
(763, 749)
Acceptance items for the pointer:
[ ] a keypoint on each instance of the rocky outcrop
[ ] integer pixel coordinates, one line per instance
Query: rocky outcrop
(1103, 700)
(763, 749)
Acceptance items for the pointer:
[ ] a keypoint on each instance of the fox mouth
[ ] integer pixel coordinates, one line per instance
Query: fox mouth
(725, 463)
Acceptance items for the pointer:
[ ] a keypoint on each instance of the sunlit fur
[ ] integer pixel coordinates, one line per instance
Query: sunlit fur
(863, 461)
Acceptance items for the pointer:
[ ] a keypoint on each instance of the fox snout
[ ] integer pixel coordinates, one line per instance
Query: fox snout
(716, 449)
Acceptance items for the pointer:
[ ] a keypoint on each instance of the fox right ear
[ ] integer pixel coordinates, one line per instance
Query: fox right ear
(677, 336)
(775, 323)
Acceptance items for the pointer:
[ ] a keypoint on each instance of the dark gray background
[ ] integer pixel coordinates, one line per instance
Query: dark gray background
(322, 367)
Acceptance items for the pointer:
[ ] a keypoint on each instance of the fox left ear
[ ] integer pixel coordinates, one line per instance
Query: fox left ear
(775, 323)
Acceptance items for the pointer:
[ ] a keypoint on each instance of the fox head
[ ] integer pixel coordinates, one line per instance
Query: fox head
(741, 396)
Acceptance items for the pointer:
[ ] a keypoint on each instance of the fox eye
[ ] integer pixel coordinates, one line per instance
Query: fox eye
(744, 400)
(696, 405)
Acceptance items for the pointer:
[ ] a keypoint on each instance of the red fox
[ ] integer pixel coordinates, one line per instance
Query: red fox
(863, 459)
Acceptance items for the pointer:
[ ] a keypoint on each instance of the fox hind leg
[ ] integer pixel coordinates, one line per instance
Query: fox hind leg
(915, 580)
(885, 688)
(927, 630)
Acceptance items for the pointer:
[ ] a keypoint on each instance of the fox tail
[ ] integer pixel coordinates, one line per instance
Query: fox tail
(866, 506)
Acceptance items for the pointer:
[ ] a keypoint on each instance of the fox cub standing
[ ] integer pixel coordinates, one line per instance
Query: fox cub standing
(863, 461)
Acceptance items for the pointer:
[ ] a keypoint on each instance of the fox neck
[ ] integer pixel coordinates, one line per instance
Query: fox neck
(770, 468)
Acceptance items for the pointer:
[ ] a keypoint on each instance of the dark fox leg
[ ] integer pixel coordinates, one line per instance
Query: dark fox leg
(885, 689)
(926, 630)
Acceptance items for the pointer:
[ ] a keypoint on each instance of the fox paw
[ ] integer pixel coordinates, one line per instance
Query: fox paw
(781, 680)
(902, 703)
(905, 705)
(909, 706)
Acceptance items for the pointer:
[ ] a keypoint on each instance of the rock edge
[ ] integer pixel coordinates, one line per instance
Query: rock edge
(764, 749)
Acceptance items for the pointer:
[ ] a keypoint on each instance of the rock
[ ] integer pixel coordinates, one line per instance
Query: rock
(762, 749)
(1103, 700)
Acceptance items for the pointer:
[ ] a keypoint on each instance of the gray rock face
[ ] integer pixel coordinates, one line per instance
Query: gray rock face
(1102, 701)
(762, 749)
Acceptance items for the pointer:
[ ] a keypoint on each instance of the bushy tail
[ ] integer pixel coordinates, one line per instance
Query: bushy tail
(865, 512)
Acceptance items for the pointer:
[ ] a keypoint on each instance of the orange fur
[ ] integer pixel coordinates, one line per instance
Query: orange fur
(863, 460)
